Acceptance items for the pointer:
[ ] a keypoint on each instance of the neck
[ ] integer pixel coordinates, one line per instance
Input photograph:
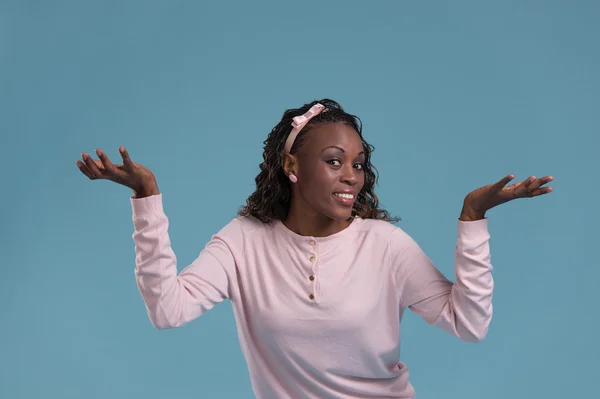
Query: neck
(313, 224)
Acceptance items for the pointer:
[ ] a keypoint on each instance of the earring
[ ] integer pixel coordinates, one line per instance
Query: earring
(293, 178)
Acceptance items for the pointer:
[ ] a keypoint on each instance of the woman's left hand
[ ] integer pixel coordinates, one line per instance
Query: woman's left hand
(481, 200)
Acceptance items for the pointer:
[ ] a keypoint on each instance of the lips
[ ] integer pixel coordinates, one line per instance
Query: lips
(345, 198)
(344, 195)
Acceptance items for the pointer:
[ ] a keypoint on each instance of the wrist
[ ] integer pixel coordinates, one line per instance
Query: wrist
(146, 191)
(469, 215)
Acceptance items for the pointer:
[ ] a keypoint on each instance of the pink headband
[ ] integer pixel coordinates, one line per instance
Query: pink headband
(299, 122)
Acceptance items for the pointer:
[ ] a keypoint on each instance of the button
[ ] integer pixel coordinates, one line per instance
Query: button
(311, 296)
(312, 243)
(312, 259)
(311, 278)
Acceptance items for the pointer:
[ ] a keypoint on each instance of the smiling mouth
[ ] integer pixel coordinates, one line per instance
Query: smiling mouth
(347, 196)
(344, 199)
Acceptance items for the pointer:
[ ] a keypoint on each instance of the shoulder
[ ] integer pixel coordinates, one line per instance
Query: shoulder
(380, 229)
(241, 226)
(395, 238)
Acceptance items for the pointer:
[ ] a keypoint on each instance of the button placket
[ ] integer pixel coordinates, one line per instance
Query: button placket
(313, 259)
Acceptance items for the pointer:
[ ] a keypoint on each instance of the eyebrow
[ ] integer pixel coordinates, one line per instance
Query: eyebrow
(341, 149)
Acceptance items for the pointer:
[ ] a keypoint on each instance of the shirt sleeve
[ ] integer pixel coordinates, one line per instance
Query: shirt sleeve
(462, 308)
(173, 300)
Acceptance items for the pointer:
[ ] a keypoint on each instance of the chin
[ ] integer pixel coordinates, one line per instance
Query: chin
(339, 214)
(334, 211)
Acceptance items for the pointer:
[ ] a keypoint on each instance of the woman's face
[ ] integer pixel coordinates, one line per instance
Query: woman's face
(329, 167)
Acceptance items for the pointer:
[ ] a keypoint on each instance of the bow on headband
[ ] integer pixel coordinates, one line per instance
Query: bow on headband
(299, 122)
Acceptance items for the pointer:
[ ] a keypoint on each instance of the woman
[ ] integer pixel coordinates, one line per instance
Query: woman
(317, 274)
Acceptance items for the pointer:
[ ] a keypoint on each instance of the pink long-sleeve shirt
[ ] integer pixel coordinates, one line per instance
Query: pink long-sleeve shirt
(317, 317)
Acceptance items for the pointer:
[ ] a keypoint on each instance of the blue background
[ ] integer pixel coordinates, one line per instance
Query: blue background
(453, 95)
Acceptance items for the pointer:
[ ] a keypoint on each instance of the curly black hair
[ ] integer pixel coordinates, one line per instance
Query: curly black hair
(272, 197)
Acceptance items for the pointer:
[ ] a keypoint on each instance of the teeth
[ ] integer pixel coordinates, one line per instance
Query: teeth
(343, 195)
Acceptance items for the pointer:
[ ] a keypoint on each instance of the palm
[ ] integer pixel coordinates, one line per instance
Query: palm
(491, 195)
(129, 173)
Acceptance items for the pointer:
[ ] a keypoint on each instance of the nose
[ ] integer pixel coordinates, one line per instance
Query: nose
(349, 175)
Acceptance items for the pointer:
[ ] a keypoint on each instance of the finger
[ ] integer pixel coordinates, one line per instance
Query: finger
(539, 191)
(512, 186)
(92, 165)
(523, 188)
(503, 182)
(126, 160)
(540, 182)
(84, 169)
(108, 165)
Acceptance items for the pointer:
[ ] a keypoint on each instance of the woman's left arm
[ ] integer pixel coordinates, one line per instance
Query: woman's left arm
(462, 308)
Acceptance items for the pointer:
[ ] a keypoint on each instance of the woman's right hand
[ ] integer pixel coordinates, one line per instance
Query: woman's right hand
(130, 174)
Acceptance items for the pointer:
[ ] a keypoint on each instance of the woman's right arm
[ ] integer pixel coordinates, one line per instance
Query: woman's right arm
(171, 299)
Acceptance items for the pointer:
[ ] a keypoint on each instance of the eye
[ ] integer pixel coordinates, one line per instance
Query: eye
(359, 166)
(334, 162)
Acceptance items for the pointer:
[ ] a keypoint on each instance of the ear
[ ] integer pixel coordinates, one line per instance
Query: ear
(289, 164)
